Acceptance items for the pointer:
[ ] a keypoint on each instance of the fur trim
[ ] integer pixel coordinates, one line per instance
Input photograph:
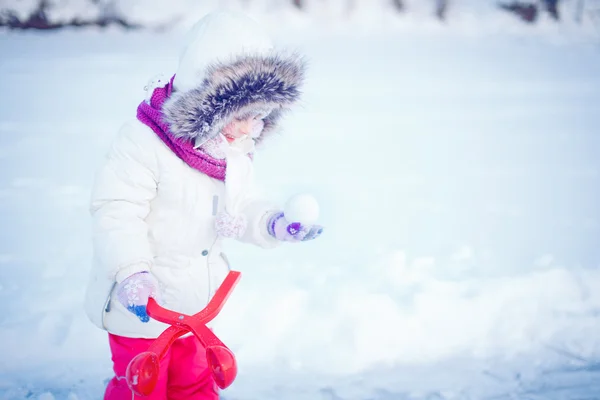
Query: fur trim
(248, 83)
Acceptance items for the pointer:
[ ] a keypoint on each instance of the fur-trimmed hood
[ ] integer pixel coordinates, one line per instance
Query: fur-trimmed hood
(229, 68)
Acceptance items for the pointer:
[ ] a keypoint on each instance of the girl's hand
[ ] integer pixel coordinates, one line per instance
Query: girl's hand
(133, 293)
(282, 229)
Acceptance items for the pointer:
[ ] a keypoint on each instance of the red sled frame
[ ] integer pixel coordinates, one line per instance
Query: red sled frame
(142, 371)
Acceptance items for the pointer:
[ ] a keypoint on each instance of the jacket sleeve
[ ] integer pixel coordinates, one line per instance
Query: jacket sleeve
(257, 212)
(124, 187)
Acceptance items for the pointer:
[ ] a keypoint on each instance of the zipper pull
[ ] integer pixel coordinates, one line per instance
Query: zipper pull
(215, 205)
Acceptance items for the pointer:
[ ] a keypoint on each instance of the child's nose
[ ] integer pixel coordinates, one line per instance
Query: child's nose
(246, 127)
(244, 130)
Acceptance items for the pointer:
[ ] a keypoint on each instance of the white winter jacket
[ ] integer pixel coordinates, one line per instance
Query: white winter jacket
(151, 211)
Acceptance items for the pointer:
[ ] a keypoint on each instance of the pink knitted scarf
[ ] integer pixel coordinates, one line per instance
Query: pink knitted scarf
(151, 115)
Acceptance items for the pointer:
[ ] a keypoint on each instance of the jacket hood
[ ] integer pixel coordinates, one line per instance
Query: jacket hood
(227, 68)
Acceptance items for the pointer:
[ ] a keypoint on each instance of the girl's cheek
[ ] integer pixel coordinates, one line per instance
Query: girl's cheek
(257, 127)
(228, 129)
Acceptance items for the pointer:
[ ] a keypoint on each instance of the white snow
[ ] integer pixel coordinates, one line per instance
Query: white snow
(457, 174)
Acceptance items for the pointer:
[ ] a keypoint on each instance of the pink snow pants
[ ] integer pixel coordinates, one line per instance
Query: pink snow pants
(184, 373)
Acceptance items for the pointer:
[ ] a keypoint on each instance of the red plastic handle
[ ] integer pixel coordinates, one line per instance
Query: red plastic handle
(162, 343)
(213, 308)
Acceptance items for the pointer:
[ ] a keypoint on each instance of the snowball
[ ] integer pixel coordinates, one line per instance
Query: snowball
(302, 208)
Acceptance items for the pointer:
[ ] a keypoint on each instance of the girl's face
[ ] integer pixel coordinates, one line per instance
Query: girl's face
(240, 127)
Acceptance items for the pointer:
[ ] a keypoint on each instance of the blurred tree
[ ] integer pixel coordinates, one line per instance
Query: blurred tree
(399, 4)
(350, 6)
(579, 12)
(552, 8)
(37, 19)
(441, 7)
(298, 3)
(529, 11)
(526, 11)
(41, 16)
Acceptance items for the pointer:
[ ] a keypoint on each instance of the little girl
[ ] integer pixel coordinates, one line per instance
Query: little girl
(176, 182)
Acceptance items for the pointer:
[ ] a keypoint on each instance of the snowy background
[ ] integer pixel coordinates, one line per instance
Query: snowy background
(458, 173)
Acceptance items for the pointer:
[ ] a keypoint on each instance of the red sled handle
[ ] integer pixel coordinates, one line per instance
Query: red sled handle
(212, 309)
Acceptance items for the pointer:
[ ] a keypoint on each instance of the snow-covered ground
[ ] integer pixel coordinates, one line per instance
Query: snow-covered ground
(458, 176)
